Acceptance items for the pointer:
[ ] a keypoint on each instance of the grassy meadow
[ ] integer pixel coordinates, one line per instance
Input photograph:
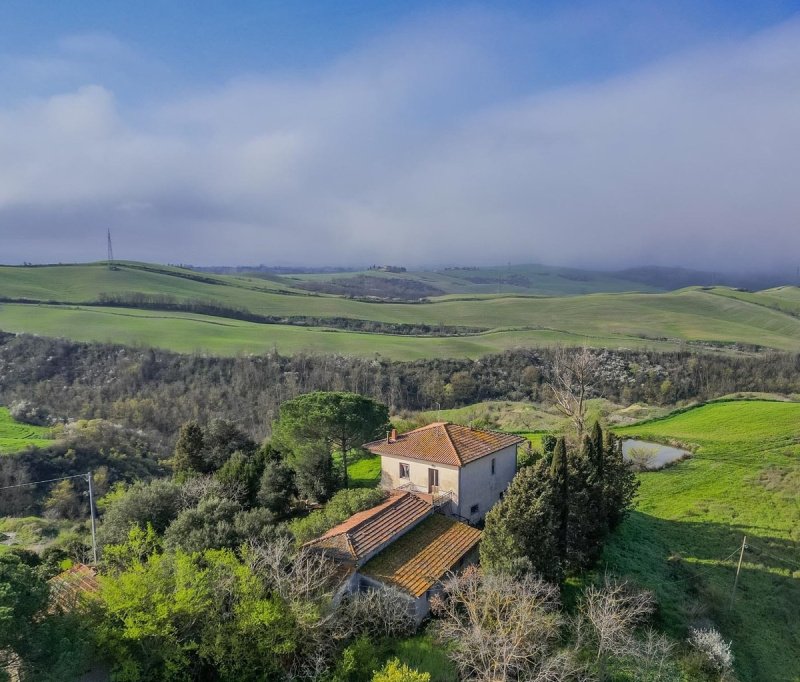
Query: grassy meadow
(683, 540)
(56, 297)
(15, 436)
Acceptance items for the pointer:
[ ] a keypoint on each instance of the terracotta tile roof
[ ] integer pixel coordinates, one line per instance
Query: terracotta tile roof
(365, 531)
(445, 443)
(418, 560)
(67, 588)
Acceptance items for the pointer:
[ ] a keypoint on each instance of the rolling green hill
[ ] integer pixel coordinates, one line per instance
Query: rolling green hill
(77, 307)
(683, 540)
(15, 436)
(539, 280)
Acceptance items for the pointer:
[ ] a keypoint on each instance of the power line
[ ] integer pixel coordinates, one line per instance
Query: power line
(88, 478)
(702, 572)
(48, 480)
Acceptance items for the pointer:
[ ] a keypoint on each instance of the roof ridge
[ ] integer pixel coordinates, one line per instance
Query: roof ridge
(385, 506)
(452, 443)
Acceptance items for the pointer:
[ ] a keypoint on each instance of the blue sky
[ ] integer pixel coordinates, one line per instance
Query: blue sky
(247, 131)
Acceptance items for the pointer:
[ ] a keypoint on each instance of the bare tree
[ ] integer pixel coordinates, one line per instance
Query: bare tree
(571, 378)
(197, 488)
(503, 628)
(608, 619)
(297, 577)
(385, 612)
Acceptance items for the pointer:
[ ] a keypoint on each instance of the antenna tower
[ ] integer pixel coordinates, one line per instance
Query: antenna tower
(110, 252)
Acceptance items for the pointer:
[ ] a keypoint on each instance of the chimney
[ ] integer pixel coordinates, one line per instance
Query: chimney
(393, 436)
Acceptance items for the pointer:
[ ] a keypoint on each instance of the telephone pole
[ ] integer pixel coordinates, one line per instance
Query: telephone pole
(738, 569)
(91, 515)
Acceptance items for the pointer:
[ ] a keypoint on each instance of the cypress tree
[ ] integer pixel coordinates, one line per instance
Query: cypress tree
(598, 449)
(520, 533)
(559, 473)
(189, 454)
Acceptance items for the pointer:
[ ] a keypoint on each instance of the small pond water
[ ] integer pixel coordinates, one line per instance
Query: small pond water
(658, 456)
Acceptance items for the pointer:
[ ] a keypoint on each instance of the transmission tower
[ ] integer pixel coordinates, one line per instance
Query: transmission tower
(110, 252)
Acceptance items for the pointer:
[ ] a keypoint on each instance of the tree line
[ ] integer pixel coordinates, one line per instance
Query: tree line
(157, 391)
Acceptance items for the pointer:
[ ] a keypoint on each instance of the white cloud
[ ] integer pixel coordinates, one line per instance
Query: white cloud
(394, 154)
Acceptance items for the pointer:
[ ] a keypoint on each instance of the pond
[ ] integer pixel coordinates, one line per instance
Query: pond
(651, 456)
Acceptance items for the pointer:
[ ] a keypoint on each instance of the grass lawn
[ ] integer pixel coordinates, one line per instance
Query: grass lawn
(365, 472)
(423, 653)
(15, 436)
(684, 537)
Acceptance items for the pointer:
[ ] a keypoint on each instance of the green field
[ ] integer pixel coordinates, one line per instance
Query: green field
(540, 280)
(683, 539)
(615, 320)
(15, 436)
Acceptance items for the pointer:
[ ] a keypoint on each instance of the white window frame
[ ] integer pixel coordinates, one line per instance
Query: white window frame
(407, 468)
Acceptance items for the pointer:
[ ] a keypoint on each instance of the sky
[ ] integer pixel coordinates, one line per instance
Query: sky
(595, 134)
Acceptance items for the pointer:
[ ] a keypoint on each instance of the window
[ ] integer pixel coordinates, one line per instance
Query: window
(473, 509)
(405, 470)
(493, 461)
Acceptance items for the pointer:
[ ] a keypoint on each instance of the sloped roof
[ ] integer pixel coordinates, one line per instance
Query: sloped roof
(419, 559)
(444, 443)
(68, 587)
(365, 531)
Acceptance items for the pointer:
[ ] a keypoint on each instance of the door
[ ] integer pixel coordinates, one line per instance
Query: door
(433, 480)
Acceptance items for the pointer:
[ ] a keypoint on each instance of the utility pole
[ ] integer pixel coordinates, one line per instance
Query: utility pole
(738, 569)
(110, 252)
(91, 515)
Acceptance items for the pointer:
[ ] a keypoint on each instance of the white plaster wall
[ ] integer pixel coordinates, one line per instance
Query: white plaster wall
(390, 474)
(479, 486)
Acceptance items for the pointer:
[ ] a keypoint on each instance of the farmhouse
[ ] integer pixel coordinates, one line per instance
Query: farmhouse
(466, 470)
(438, 477)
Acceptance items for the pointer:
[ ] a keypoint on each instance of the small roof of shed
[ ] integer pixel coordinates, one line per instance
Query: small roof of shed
(424, 555)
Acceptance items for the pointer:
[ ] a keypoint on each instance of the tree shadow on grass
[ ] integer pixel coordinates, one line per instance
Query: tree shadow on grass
(691, 567)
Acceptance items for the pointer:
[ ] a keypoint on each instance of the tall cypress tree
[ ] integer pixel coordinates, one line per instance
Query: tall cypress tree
(598, 449)
(189, 454)
(559, 472)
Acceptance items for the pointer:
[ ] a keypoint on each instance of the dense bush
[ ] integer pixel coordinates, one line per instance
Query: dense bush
(341, 506)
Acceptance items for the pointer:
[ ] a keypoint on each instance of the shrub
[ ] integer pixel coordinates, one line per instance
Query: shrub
(716, 651)
(394, 671)
(342, 505)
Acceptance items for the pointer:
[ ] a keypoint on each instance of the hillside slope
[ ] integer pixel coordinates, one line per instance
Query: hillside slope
(227, 314)
(683, 540)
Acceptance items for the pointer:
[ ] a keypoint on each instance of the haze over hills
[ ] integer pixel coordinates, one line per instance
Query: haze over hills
(450, 313)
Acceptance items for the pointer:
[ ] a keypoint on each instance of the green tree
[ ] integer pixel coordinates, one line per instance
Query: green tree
(200, 616)
(619, 482)
(242, 473)
(63, 501)
(521, 529)
(315, 474)
(222, 438)
(341, 421)
(209, 525)
(394, 671)
(559, 472)
(46, 645)
(154, 503)
(277, 488)
(189, 454)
